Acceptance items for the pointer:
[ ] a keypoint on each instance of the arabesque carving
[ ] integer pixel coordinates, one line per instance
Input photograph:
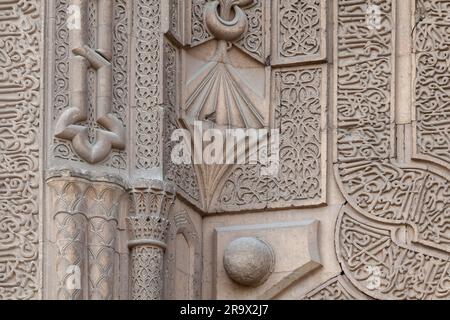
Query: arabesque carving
(337, 288)
(20, 67)
(397, 244)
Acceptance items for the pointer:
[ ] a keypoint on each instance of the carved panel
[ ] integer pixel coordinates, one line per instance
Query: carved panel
(253, 41)
(20, 33)
(90, 75)
(432, 93)
(383, 267)
(181, 225)
(176, 19)
(387, 247)
(184, 175)
(61, 149)
(298, 31)
(288, 264)
(300, 114)
(364, 114)
(198, 30)
(338, 288)
(147, 84)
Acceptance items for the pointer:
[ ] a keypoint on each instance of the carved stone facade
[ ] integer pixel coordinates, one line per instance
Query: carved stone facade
(353, 96)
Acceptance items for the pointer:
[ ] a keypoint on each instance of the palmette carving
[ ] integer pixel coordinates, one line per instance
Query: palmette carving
(20, 32)
(148, 228)
(219, 87)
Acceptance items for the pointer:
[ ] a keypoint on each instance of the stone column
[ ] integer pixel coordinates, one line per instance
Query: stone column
(85, 211)
(148, 226)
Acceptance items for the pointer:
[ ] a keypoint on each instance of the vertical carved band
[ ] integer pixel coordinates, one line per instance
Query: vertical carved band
(147, 93)
(19, 148)
(387, 236)
(148, 231)
(109, 131)
(86, 218)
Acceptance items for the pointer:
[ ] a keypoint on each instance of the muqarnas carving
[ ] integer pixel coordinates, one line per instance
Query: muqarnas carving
(94, 141)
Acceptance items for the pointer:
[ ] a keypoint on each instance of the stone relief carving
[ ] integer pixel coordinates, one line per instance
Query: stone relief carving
(199, 33)
(431, 46)
(85, 214)
(395, 245)
(181, 225)
(338, 288)
(300, 114)
(249, 261)
(381, 266)
(392, 237)
(215, 91)
(93, 144)
(63, 149)
(252, 41)
(147, 83)
(149, 225)
(298, 28)
(238, 248)
(218, 92)
(20, 32)
(183, 176)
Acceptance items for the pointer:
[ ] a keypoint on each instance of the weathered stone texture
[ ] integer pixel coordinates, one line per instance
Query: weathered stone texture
(92, 205)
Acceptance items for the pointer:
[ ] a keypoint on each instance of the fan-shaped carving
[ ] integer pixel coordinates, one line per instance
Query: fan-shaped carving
(218, 94)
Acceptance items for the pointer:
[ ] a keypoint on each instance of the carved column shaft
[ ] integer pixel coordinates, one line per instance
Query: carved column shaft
(148, 230)
(86, 214)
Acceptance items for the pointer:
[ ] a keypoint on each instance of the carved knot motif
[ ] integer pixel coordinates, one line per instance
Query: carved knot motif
(109, 131)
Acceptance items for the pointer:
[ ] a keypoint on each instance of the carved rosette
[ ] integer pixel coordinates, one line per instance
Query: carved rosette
(148, 231)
